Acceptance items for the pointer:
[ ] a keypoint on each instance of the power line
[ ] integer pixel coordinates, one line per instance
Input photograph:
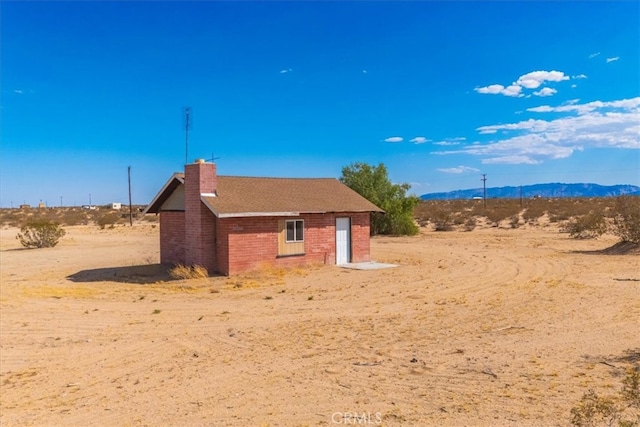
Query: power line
(484, 189)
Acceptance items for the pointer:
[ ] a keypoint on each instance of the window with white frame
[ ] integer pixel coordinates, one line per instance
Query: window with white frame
(295, 231)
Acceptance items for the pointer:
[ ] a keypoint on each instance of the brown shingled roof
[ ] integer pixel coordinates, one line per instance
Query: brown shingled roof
(241, 196)
(251, 196)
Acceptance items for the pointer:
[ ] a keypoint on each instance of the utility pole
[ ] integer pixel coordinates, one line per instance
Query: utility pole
(187, 112)
(60, 201)
(130, 205)
(484, 189)
(521, 197)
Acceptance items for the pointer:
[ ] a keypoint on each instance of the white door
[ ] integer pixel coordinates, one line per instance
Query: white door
(343, 240)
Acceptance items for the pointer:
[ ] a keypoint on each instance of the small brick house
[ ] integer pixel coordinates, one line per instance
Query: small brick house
(232, 224)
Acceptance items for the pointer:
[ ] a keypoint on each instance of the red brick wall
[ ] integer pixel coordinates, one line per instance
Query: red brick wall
(252, 243)
(200, 222)
(172, 237)
(222, 246)
(360, 237)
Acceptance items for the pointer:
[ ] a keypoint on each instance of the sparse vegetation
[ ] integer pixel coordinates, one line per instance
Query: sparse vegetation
(582, 218)
(622, 409)
(626, 219)
(470, 224)
(69, 216)
(188, 272)
(442, 220)
(40, 234)
(589, 226)
(109, 219)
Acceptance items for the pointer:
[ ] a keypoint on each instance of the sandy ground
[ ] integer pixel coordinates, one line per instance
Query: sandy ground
(483, 328)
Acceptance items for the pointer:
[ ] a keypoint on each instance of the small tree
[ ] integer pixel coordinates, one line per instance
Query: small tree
(626, 219)
(40, 234)
(373, 183)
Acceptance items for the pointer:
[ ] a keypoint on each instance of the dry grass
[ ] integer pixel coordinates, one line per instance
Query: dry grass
(266, 275)
(188, 272)
(59, 292)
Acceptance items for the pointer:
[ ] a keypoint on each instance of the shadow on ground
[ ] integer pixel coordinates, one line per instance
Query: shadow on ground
(140, 274)
(620, 248)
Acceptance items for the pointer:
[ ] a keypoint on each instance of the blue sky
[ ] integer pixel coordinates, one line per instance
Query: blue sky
(524, 92)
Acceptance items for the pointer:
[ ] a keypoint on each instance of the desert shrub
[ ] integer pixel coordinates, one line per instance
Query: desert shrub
(589, 226)
(442, 220)
(151, 218)
(594, 410)
(470, 224)
(514, 221)
(110, 219)
(498, 210)
(626, 219)
(534, 209)
(460, 218)
(631, 388)
(559, 216)
(12, 218)
(188, 272)
(40, 234)
(622, 409)
(74, 216)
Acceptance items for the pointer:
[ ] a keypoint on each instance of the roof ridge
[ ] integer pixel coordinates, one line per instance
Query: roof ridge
(265, 177)
(274, 177)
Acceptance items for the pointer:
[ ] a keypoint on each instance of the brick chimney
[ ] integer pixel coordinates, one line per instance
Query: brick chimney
(200, 179)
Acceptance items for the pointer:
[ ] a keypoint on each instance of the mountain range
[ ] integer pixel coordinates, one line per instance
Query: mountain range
(540, 190)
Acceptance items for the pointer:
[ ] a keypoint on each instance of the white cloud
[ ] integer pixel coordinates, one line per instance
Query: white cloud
(579, 76)
(364, 71)
(615, 58)
(532, 80)
(512, 90)
(18, 91)
(419, 140)
(458, 170)
(572, 106)
(492, 89)
(535, 79)
(596, 124)
(593, 55)
(394, 139)
(511, 160)
(524, 125)
(450, 141)
(574, 86)
(545, 91)
(285, 71)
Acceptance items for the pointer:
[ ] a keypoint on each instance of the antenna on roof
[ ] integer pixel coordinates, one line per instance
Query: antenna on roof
(187, 124)
(212, 159)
